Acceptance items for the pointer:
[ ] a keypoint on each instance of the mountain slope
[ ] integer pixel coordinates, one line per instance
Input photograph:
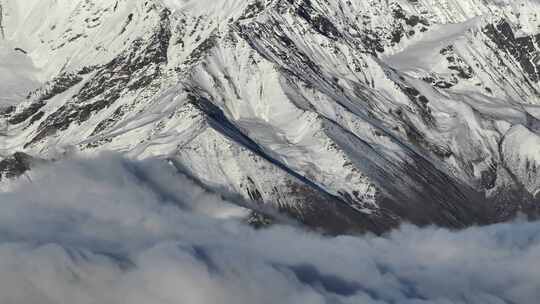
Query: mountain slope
(352, 115)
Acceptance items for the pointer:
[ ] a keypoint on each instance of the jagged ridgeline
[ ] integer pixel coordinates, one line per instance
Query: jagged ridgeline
(345, 115)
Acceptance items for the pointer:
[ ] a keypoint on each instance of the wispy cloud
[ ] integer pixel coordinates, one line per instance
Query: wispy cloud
(110, 230)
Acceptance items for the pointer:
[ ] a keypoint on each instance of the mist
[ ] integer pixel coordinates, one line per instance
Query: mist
(112, 230)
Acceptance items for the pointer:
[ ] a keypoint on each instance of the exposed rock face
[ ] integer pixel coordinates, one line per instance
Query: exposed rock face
(15, 165)
(347, 115)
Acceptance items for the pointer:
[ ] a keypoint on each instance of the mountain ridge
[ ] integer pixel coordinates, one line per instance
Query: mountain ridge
(346, 115)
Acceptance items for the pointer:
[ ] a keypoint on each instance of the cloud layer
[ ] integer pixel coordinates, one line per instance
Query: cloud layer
(110, 230)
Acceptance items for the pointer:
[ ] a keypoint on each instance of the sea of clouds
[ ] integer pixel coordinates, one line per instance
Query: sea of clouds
(115, 231)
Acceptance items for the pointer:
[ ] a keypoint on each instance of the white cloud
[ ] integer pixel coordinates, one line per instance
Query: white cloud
(110, 230)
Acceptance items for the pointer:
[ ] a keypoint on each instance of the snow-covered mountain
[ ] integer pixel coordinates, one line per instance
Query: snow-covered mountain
(348, 115)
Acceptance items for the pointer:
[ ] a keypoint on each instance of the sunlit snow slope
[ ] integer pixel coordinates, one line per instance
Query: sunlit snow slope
(347, 115)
